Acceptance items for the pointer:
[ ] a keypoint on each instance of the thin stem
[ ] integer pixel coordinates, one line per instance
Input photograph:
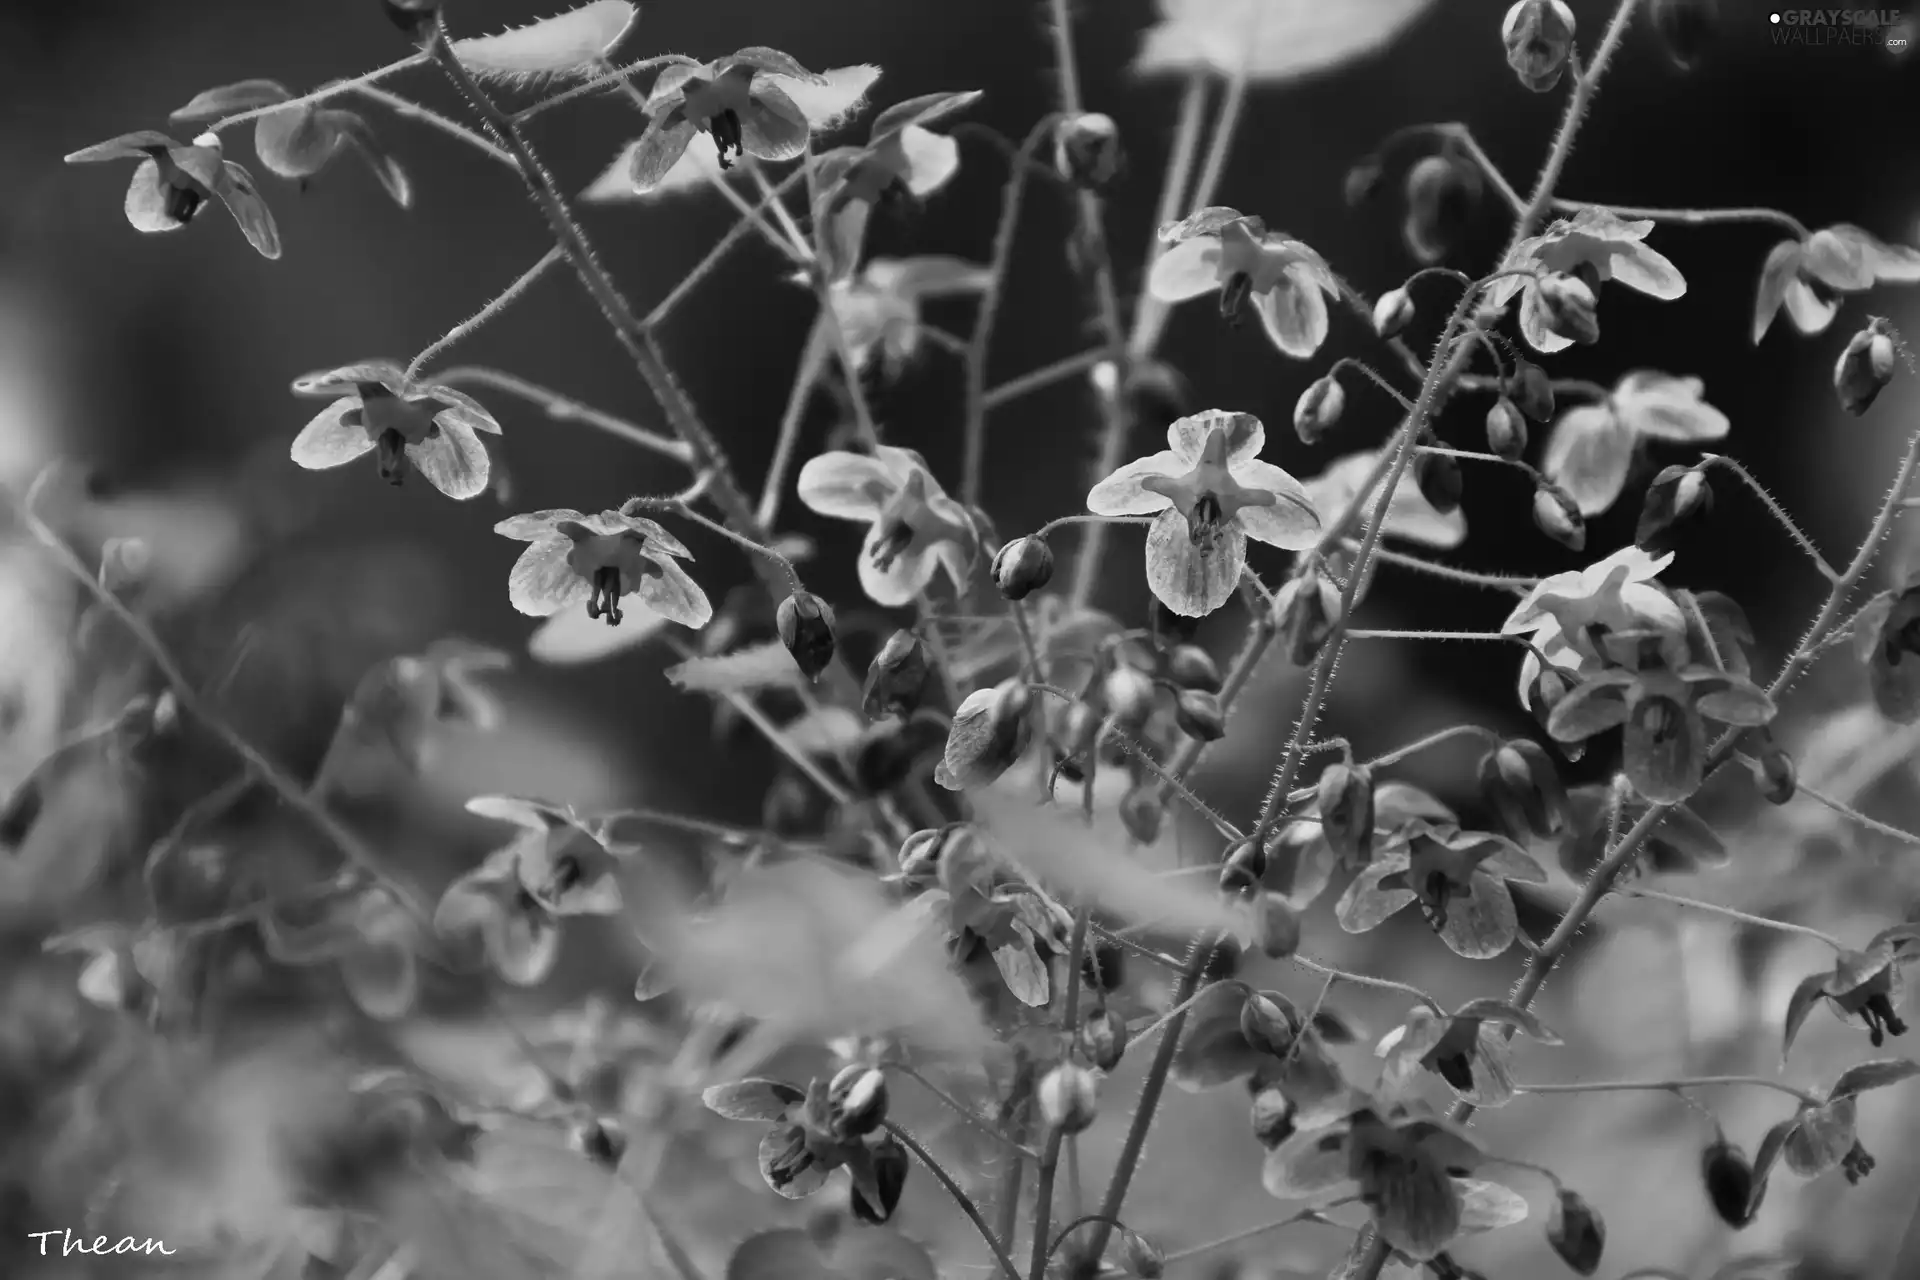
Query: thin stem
(318, 95)
(611, 76)
(961, 1109)
(799, 396)
(1045, 376)
(1063, 521)
(1495, 636)
(1778, 512)
(1050, 1157)
(1466, 577)
(742, 227)
(1669, 1086)
(960, 1197)
(1349, 362)
(1462, 135)
(1188, 123)
(1473, 455)
(770, 198)
(1139, 752)
(1853, 815)
(562, 408)
(1366, 980)
(1689, 217)
(465, 329)
(1265, 1228)
(751, 214)
(412, 110)
(1715, 908)
(679, 507)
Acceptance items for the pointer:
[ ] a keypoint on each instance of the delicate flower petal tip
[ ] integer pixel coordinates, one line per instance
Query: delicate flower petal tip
(330, 439)
(346, 379)
(141, 144)
(1293, 523)
(1595, 244)
(1245, 435)
(1659, 406)
(1588, 454)
(1803, 275)
(452, 460)
(921, 112)
(1294, 313)
(1186, 269)
(576, 42)
(1269, 43)
(658, 151)
(1410, 515)
(694, 171)
(1124, 493)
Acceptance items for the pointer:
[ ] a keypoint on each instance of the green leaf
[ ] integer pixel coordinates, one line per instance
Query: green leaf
(1873, 1075)
(231, 99)
(747, 670)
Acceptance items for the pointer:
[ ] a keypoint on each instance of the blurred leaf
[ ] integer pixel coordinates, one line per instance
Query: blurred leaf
(1273, 40)
(576, 41)
(756, 667)
(752, 1099)
(1873, 1075)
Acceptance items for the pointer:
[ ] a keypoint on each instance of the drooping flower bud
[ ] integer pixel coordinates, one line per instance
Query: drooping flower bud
(1344, 800)
(1272, 1116)
(856, 1101)
(1558, 516)
(1141, 813)
(1864, 367)
(919, 856)
(1199, 715)
(1268, 1025)
(990, 731)
(1729, 1179)
(1531, 390)
(1440, 479)
(1276, 926)
(1243, 868)
(805, 624)
(1318, 409)
(1506, 430)
(1686, 27)
(1086, 150)
(1521, 784)
(599, 1140)
(1069, 1098)
(1443, 194)
(897, 678)
(1141, 1257)
(1569, 306)
(1191, 667)
(1103, 1039)
(1576, 1232)
(1307, 608)
(1392, 313)
(1778, 778)
(1129, 694)
(1022, 567)
(1538, 35)
(1676, 495)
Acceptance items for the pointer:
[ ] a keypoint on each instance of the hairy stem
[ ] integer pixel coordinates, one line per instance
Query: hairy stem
(1684, 1082)
(960, 1197)
(562, 408)
(499, 303)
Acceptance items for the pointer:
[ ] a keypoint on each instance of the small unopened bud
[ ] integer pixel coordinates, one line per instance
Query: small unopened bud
(1729, 1180)
(1199, 715)
(1778, 778)
(1443, 194)
(1344, 800)
(1864, 367)
(1086, 150)
(1521, 784)
(805, 624)
(1506, 430)
(1103, 1039)
(1549, 687)
(600, 1141)
(1531, 390)
(1192, 667)
(1576, 1232)
(1268, 1025)
(417, 18)
(897, 678)
(1392, 313)
(1129, 694)
(1676, 495)
(1538, 35)
(1558, 516)
(1140, 1257)
(1276, 926)
(1272, 1116)
(1307, 608)
(1570, 308)
(1244, 867)
(1012, 700)
(919, 856)
(1069, 1098)
(856, 1101)
(1318, 409)
(1686, 27)
(1022, 567)
(1440, 479)
(1142, 814)
(1362, 182)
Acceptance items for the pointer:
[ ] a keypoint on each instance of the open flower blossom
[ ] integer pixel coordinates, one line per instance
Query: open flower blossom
(430, 426)
(1592, 446)
(1209, 493)
(879, 309)
(601, 559)
(903, 156)
(1458, 878)
(1470, 1049)
(738, 99)
(1862, 987)
(1410, 514)
(1616, 594)
(1225, 250)
(174, 181)
(303, 139)
(914, 527)
(1593, 246)
(1804, 275)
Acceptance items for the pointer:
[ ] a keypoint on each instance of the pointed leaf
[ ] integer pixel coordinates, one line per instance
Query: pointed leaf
(1877, 1074)
(576, 41)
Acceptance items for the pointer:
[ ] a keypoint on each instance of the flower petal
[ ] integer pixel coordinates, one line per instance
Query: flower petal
(1188, 436)
(542, 582)
(147, 200)
(523, 945)
(1780, 270)
(1365, 904)
(1121, 494)
(1294, 313)
(234, 185)
(932, 159)
(1663, 407)
(904, 578)
(1533, 324)
(1416, 1205)
(1307, 1164)
(1186, 270)
(1809, 312)
(537, 524)
(125, 147)
(382, 976)
(346, 380)
(1481, 925)
(773, 127)
(462, 408)
(1587, 455)
(329, 440)
(1193, 580)
(1292, 522)
(453, 461)
(846, 486)
(1589, 708)
(659, 149)
(1648, 271)
(1843, 257)
(674, 596)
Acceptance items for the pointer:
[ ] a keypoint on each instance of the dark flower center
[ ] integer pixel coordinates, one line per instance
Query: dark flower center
(791, 1160)
(605, 598)
(1456, 1069)
(896, 535)
(1205, 521)
(392, 455)
(181, 203)
(1882, 1021)
(725, 128)
(1233, 297)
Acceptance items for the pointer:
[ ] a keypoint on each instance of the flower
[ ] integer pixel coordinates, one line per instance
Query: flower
(1458, 877)
(301, 140)
(737, 99)
(879, 309)
(1222, 249)
(1863, 985)
(174, 181)
(1886, 636)
(1803, 275)
(367, 935)
(903, 157)
(1212, 493)
(1591, 447)
(1616, 594)
(1468, 1048)
(1409, 514)
(802, 1145)
(1270, 41)
(1595, 244)
(602, 558)
(914, 526)
(375, 407)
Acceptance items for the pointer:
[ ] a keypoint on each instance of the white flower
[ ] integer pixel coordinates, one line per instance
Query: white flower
(1592, 446)
(915, 526)
(1211, 493)
(1409, 515)
(1595, 245)
(1616, 593)
(1273, 40)
(879, 309)
(1221, 249)
(1841, 258)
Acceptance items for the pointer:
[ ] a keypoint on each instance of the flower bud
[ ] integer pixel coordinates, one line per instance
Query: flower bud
(1864, 367)
(791, 807)
(1129, 694)
(1521, 784)
(1022, 567)
(1392, 313)
(1272, 1116)
(856, 1101)
(1576, 1232)
(1012, 700)
(419, 19)
(990, 731)
(1199, 715)
(919, 856)
(1086, 150)
(1729, 1179)
(1778, 778)
(600, 1141)
(1069, 1098)
(1268, 1025)
(1539, 37)
(805, 625)
(1344, 800)
(1569, 307)
(1318, 409)
(1549, 687)
(1686, 27)
(1141, 1257)
(1142, 814)
(1440, 480)
(897, 677)
(1307, 608)
(1506, 430)
(1443, 194)
(1531, 390)
(1103, 1039)
(1558, 516)
(1676, 495)
(1191, 667)
(1245, 865)
(1276, 926)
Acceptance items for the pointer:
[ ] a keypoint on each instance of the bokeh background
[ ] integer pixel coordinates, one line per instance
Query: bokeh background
(157, 369)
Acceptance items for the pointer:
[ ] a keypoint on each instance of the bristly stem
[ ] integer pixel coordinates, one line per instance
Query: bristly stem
(1518, 585)
(412, 110)
(500, 302)
(1714, 908)
(1038, 379)
(1778, 512)
(1853, 815)
(799, 396)
(681, 508)
(1689, 217)
(960, 1197)
(1671, 1086)
(742, 227)
(318, 95)
(563, 408)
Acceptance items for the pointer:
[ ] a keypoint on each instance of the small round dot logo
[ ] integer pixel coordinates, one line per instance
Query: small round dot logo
(1774, 18)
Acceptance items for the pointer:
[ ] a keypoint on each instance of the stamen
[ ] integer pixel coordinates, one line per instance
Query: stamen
(392, 454)
(605, 599)
(1233, 298)
(182, 203)
(726, 131)
(1204, 521)
(895, 537)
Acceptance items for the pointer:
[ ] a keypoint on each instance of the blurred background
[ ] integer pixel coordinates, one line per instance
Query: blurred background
(158, 368)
